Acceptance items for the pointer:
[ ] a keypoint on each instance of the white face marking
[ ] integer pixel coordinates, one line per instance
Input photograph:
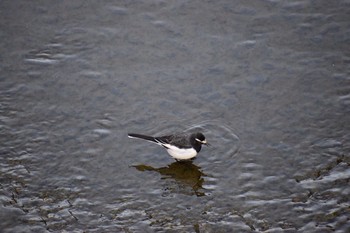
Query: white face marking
(203, 142)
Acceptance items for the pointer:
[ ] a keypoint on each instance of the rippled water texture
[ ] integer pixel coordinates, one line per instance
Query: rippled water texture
(267, 82)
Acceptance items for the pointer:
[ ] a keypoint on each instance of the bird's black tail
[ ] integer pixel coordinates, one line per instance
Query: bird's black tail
(144, 137)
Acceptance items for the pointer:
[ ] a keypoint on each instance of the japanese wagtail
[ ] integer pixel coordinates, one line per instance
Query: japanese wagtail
(179, 146)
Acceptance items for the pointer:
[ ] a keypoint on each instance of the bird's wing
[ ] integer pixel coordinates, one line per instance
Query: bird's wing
(178, 140)
(163, 141)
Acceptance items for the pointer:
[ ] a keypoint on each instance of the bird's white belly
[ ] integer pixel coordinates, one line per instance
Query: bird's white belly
(181, 154)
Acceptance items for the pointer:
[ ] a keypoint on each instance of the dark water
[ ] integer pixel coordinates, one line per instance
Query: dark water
(268, 82)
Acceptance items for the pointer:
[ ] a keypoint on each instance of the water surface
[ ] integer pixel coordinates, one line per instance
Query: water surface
(266, 81)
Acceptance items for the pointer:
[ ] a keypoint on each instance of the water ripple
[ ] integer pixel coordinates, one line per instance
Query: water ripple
(224, 142)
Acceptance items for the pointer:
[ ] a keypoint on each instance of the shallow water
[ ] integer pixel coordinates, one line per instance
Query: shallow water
(266, 81)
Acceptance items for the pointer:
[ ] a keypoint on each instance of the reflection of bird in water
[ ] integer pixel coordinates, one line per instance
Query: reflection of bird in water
(185, 173)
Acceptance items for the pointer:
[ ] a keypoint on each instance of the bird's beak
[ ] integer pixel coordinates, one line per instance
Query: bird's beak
(205, 143)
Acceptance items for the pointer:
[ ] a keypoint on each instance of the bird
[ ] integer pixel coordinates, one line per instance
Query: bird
(179, 146)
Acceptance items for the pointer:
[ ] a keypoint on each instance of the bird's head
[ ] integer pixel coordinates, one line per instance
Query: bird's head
(199, 137)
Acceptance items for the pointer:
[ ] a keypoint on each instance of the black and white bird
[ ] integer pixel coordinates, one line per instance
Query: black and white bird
(179, 146)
